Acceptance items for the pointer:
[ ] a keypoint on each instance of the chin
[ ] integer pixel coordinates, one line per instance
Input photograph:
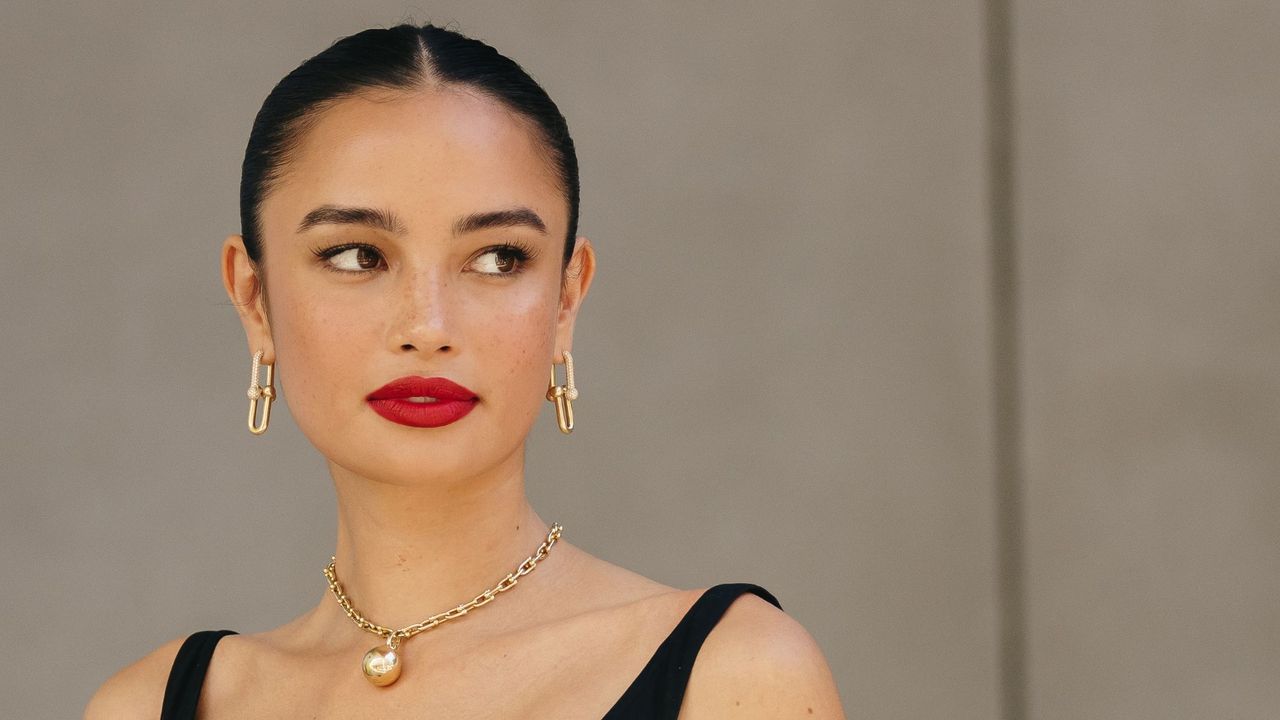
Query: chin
(405, 467)
(372, 447)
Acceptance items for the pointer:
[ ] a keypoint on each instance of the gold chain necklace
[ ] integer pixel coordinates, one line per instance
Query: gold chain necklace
(382, 665)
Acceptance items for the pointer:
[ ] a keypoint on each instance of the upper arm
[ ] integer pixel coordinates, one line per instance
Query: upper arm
(759, 662)
(137, 690)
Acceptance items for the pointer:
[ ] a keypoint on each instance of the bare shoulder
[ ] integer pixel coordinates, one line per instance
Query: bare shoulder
(136, 690)
(759, 662)
(604, 582)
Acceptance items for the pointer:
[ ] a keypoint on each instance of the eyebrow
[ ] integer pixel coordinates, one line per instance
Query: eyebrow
(335, 215)
(387, 220)
(512, 217)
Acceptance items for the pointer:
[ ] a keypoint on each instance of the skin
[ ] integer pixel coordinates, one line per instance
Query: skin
(428, 517)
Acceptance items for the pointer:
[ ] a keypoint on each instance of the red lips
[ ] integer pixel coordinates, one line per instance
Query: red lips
(452, 401)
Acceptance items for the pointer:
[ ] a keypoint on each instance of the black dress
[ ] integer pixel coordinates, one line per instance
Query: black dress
(655, 694)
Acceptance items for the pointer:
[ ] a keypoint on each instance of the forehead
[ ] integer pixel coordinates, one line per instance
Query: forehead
(429, 155)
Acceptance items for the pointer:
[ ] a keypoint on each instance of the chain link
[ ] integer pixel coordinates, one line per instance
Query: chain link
(483, 598)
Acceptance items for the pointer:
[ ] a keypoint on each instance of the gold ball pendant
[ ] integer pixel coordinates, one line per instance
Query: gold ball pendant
(381, 665)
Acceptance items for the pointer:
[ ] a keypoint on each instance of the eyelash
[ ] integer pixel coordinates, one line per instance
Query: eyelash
(522, 254)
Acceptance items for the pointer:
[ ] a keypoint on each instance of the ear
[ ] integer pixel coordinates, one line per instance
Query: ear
(578, 275)
(243, 283)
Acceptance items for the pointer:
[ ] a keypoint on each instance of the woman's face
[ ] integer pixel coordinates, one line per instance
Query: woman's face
(356, 299)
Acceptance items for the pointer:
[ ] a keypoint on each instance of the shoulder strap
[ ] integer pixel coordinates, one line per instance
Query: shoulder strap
(186, 678)
(658, 690)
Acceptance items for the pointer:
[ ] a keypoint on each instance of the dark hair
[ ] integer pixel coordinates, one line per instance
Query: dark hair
(404, 57)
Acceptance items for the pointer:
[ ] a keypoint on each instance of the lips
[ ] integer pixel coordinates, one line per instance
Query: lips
(446, 401)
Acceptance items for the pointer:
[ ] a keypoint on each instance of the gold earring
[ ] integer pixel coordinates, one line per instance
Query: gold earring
(563, 395)
(260, 392)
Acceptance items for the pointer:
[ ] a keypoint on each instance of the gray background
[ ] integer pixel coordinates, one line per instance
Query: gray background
(953, 324)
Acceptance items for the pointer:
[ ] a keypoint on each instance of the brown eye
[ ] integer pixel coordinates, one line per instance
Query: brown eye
(355, 259)
(504, 260)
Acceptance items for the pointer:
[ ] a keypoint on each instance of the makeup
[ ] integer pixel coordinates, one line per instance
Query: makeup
(422, 402)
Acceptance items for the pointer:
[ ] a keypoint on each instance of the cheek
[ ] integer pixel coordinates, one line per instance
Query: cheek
(320, 340)
(514, 344)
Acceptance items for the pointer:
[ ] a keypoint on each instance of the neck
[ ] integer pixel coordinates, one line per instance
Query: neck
(405, 553)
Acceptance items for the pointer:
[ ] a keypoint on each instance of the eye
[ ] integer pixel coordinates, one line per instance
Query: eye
(503, 260)
(350, 258)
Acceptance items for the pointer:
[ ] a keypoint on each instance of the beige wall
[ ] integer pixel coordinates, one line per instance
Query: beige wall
(1149, 173)
(791, 361)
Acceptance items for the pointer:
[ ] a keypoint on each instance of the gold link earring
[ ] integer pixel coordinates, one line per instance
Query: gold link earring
(260, 392)
(563, 395)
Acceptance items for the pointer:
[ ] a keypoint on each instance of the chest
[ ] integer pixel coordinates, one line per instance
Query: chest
(519, 685)
(573, 671)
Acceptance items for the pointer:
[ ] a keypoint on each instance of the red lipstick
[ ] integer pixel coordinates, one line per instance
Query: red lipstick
(446, 401)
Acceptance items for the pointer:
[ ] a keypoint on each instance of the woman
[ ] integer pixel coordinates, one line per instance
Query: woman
(409, 263)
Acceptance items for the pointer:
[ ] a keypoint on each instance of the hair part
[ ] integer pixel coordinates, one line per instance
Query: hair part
(405, 57)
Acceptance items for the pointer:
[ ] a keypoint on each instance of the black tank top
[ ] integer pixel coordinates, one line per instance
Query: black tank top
(655, 694)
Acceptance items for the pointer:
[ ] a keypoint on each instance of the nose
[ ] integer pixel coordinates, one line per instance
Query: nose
(422, 320)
